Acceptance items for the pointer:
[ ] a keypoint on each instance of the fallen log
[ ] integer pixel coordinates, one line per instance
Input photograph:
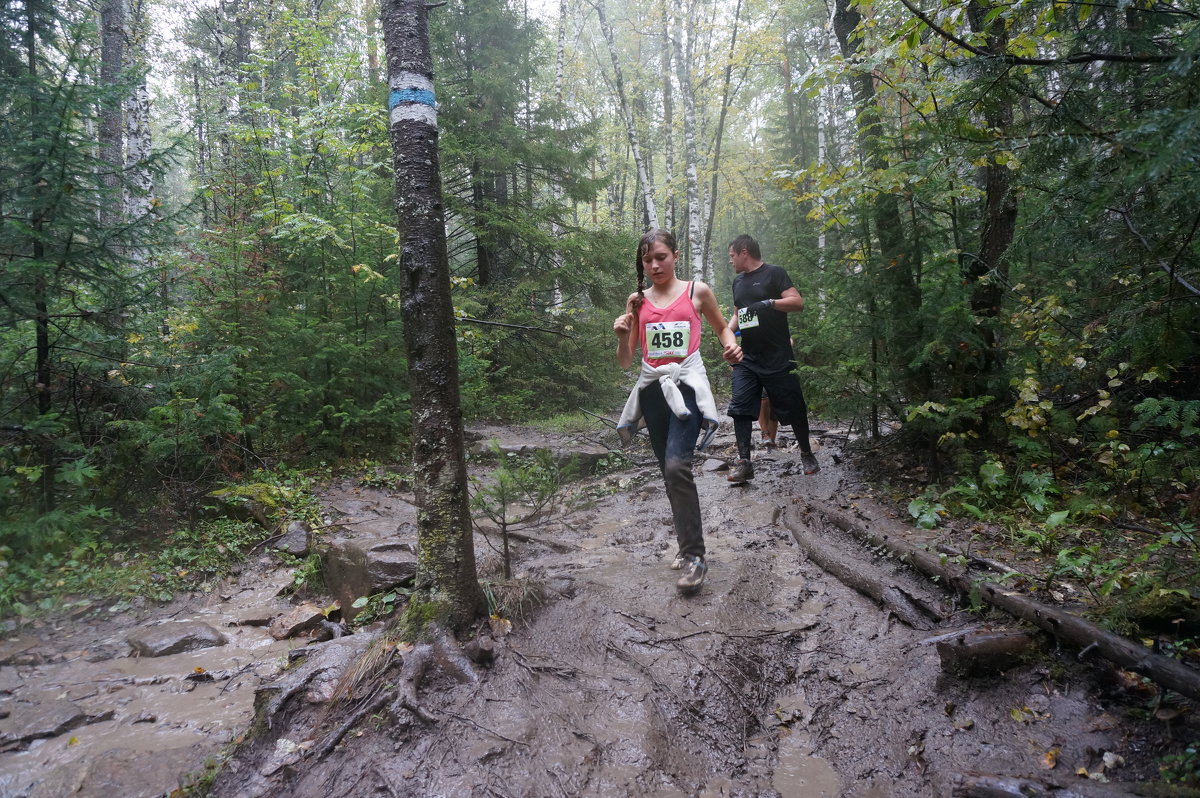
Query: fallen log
(1165, 671)
(916, 612)
(977, 653)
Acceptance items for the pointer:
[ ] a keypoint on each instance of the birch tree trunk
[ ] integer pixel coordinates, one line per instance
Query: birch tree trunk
(726, 92)
(668, 127)
(556, 258)
(691, 171)
(139, 186)
(225, 44)
(647, 190)
(446, 560)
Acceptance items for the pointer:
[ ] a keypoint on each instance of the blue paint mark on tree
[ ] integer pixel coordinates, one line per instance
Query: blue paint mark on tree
(418, 96)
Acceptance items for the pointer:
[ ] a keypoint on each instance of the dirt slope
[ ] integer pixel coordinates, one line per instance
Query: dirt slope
(775, 679)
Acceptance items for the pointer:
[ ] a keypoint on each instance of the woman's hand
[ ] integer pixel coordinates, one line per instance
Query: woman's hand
(623, 325)
(732, 354)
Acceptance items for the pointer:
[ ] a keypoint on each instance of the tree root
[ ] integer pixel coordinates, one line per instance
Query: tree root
(444, 654)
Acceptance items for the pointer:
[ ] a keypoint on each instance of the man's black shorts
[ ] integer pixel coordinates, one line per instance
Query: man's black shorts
(782, 388)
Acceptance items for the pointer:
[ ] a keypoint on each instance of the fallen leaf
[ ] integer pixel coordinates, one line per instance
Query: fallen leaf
(1113, 761)
(1050, 758)
(197, 669)
(1105, 722)
(73, 741)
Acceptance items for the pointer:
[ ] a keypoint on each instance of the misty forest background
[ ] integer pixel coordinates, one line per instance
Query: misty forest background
(991, 208)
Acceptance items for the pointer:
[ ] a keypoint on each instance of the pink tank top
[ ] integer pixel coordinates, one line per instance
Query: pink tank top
(668, 335)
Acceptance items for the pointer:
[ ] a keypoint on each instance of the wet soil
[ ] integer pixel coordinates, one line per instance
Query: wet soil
(80, 715)
(774, 679)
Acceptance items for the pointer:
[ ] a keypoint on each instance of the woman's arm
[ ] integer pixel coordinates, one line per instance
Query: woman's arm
(706, 303)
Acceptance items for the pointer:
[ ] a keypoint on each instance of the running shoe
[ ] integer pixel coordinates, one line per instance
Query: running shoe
(742, 472)
(693, 575)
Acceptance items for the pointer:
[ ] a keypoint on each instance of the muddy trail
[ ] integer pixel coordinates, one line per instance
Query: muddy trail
(600, 679)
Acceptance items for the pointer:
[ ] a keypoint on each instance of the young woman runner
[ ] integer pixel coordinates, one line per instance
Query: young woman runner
(672, 396)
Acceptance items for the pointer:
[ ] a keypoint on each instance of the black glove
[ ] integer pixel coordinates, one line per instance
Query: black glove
(758, 307)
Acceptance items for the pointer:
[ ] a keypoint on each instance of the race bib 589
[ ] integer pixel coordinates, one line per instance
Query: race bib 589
(746, 319)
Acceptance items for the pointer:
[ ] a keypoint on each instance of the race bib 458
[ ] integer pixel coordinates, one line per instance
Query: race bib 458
(667, 339)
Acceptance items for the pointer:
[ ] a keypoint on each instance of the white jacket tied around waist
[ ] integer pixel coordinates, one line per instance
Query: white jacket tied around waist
(690, 371)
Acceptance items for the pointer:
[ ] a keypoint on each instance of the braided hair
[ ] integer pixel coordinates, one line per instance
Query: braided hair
(648, 240)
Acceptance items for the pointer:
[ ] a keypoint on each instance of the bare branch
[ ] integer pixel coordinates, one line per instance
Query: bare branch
(1077, 58)
(1169, 268)
(516, 326)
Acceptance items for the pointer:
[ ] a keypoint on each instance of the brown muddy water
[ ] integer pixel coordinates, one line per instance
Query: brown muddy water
(105, 723)
(774, 680)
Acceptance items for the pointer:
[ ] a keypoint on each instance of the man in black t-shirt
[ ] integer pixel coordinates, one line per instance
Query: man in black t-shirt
(763, 295)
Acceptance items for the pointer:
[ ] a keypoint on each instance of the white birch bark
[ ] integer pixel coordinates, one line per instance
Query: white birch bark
(556, 258)
(691, 169)
(227, 96)
(726, 96)
(827, 109)
(139, 182)
(668, 131)
(647, 191)
(821, 242)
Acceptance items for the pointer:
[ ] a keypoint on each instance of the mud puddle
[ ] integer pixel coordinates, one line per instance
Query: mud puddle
(85, 717)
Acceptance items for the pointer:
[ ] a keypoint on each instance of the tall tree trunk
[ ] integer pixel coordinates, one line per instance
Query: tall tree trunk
(650, 210)
(896, 281)
(139, 187)
(683, 71)
(446, 560)
(999, 208)
(371, 15)
(485, 260)
(111, 133)
(41, 320)
(556, 256)
(726, 91)
(668, 126)
(203, 148)
(225, 43)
